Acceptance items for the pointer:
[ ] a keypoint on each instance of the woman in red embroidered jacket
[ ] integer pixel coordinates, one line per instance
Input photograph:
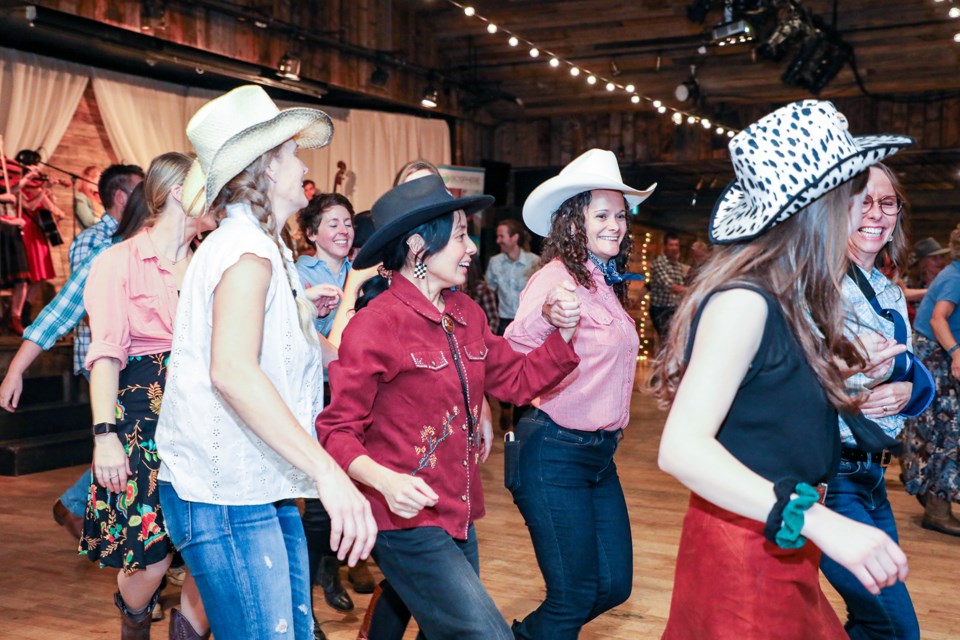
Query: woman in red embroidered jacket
(413, 368)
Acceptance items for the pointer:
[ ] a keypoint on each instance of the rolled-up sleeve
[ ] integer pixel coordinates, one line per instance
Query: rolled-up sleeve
(529, 329)
(107, 299)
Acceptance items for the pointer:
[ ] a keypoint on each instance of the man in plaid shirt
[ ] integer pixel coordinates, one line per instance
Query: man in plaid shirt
(65, 312)
(666, 285)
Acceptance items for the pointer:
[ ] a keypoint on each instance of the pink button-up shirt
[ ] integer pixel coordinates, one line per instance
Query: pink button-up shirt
(131, 301)
(596, 396)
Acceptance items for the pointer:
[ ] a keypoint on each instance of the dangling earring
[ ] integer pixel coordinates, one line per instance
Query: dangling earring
(419, 269)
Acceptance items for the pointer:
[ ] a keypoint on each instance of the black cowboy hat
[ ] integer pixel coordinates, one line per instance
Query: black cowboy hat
(406, 207)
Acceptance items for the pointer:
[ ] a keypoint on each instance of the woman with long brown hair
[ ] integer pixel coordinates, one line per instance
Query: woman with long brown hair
(753, 373)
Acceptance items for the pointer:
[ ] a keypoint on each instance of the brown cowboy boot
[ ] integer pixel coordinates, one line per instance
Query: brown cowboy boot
(135, 625)
(937, 516)
(181, 629)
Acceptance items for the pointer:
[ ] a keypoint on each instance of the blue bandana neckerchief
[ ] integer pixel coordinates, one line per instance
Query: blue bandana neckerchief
(610, 274)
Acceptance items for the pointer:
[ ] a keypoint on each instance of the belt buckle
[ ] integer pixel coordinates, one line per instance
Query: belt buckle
(822, 492)
(884, 458)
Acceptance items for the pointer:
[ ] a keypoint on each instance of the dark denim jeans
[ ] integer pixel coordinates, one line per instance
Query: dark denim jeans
(566, 486)
(438, 578)
(860, 493)
(250, 563)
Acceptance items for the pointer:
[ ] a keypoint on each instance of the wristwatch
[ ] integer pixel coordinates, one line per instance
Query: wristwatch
(103, 428)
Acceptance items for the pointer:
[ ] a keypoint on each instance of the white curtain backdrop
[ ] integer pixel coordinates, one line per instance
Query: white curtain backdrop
(38, 97)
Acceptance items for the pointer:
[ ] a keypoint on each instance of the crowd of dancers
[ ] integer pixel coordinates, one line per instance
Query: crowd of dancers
(787, 366)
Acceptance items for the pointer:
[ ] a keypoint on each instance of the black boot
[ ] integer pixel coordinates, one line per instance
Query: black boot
(328, 578)
(181, 629)
(135, 625)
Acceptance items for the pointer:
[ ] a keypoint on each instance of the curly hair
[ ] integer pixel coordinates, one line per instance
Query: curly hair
(309, 218)
(567, 241)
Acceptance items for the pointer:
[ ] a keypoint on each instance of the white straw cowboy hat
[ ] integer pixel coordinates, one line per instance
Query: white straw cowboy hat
(230, 132)
(788, 159)
(594, 169)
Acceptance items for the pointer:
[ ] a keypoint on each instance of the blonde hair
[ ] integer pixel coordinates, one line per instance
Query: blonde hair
(166, 172)
(250, 187)
(896, 249)
(801, 262)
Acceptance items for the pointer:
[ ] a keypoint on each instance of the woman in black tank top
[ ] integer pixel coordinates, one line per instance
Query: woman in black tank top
(754, 372)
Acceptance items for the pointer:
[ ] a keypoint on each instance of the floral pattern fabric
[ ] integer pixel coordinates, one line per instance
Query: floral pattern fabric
(931, 441)
(125, 530)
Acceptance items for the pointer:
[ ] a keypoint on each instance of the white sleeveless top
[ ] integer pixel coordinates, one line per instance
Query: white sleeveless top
(208, 453)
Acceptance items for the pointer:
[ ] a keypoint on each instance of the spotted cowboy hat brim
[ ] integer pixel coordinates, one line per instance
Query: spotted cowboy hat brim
(737, 218)
(406, 207)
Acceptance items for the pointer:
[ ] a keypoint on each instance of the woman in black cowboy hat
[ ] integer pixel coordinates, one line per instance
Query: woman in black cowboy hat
(403, 422)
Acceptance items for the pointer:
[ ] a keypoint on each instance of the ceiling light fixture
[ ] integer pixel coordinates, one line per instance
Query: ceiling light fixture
(430, 98)
(289, 67)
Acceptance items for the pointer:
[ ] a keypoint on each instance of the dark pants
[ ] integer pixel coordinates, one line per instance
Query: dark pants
(438, 578)
(860, 493)
(566, 486)
(316, 527)
(518, 411)
(662, 317)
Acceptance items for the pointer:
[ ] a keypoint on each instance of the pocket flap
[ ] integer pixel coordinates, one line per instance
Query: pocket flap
(429, 359)
(475, 350)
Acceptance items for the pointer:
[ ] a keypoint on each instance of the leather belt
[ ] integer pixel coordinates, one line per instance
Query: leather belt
(856, 455)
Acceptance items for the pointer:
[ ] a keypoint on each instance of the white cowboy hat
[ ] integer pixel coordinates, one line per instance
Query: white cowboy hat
(594, 169)
(230, 132)
(788, 159)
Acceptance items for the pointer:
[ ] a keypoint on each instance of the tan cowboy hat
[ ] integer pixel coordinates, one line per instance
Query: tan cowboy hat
(594, 169)
(230, 132)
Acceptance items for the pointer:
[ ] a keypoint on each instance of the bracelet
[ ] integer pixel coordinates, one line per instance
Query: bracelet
(953, 348)
(786, 518)
(103, 428)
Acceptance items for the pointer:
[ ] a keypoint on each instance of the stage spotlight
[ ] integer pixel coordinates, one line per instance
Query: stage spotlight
(430, 98)
(289, 67)
(817, 63)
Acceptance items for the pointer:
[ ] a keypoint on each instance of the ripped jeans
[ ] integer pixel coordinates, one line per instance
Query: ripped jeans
(250, 564)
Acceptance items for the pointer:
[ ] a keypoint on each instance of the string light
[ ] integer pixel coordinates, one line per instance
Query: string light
(644, 319)
(677, 115)
(954, 12)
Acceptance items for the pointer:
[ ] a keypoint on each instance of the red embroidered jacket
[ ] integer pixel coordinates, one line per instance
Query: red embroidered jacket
(397, 397)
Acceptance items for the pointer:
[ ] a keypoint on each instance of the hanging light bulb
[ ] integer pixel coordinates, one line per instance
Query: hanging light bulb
(730, 134)
(629, 88)
(635, 99)
(469, 11)
(554, 63)
(534, 52)
(574, 71)
(720, 131)
(677, 117)
(491, 28)
(954, 12)
(706, 123)
(691, 119)
(513, 41)
(662, 109)
(611, 86)
(592, 80)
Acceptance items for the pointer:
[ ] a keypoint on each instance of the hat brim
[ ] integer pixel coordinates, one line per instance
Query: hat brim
(735, 218)
(309, 128)
(938, 252)
(544, 201)
(372, 251)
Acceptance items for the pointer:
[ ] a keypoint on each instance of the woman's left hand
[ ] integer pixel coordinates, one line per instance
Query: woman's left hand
(111, 466)
(486, 431)
(325, 297)
(887, 399)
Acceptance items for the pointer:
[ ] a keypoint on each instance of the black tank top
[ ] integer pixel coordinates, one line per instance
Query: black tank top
(781, 423)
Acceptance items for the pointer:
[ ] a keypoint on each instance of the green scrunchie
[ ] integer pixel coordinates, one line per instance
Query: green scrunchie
(788, 537)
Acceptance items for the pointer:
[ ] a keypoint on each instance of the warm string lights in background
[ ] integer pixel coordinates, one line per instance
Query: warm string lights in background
(644, 323)
(554, 61)
(953, 12)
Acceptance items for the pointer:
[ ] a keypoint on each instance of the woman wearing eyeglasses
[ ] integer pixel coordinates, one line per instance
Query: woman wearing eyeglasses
(875, 304)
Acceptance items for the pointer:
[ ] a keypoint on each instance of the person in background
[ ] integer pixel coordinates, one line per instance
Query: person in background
(86, 202)
(507, 274)
(327, 224)
(697, 256)
(754, 371)
(929, 258)
(931, 468)
(666, 285)
(309, 189)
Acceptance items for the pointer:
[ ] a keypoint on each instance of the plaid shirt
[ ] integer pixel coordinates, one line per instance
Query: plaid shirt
(66, 310)
(665, 272)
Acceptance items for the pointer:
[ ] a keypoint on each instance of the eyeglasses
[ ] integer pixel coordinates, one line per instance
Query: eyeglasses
(889, 205)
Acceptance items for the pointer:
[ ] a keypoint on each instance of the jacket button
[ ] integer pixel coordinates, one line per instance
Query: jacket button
(464, 427)
(463, 498)
(464, 463)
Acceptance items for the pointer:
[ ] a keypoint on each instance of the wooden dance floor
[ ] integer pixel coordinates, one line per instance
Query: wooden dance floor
(48, 593)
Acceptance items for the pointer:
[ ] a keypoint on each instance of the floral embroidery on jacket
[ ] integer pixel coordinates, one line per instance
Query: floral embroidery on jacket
(431, 440)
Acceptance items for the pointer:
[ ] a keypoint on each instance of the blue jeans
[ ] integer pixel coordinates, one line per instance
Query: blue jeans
(250, 563)
(75, 498)
(566, 486)
(860, 493)
(438, 579)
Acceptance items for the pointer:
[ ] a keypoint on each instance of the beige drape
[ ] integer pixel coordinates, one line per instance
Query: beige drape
(38, 97)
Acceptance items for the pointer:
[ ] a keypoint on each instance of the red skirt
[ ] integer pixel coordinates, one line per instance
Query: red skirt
(732, 584)
(38, 252)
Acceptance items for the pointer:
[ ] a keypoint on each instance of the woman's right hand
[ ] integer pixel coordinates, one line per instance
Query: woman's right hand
(879, 354)
(865, 551)
(561, 308)
(111, 466)
(353, 530)
(406, 495)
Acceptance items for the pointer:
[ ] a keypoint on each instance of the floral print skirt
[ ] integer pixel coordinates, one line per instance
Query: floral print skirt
(931, 441)
(126, 530)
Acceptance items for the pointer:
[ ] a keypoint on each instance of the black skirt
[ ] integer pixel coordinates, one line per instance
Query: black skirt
(14, 267)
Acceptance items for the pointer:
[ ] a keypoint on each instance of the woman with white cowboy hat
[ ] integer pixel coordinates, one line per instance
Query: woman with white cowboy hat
(754, 373)
(560, 466)
(414, 365)
(236, 434)
(131, 300)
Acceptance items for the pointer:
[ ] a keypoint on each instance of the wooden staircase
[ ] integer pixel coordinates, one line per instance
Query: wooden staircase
(51, 427)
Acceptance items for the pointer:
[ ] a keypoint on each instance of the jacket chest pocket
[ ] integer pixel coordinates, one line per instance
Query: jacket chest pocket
(476, 350)
(432, 359)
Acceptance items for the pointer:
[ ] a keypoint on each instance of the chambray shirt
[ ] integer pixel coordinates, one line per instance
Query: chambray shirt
(315, 271)
(945, 287)
(860, 317)
(66, 310)
(508, 278)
